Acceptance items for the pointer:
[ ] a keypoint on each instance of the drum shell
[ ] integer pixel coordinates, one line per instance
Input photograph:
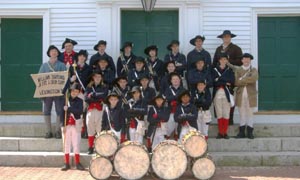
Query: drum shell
(107, 167)
(113, 145)
(190, 135)
(209, 167)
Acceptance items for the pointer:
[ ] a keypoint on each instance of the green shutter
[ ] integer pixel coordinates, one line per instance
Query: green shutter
(21, 50)
(144, 29)
(279, 63)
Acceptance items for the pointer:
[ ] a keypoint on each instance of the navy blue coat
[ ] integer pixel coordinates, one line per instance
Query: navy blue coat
(227, 76)
(202, 100)
(172, 98)
(195, 75)
(99, 93)
(129, 60)
(178, 58)
(158, 70)
(83, 73)
(116, 117)
(76, 108)
(194, 54)
(189, 114)
(108, 76)
(94, 59)
(163, 115)
(134, 76)
(138, 110)
(148, 94)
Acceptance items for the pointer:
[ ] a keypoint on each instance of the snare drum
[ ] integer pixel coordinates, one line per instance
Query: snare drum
(131, 160)
(203, 168)
(106, 143)
(100, 168)
(169, 160)
(194, 144)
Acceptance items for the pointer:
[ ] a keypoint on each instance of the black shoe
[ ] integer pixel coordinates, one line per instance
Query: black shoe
(58, 135)
(149, 149)
(219, 136)
(84, 135)
(250, 132)
(226, 136)
(65, 167)
(48, 135)
(79, 167)
(90, 151)
(241, 133)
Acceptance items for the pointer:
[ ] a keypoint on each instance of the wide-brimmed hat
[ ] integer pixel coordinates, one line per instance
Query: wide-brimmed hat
(222, 55)
(247, 55)
(172, 43)
(142, 76)
(186, 92)
(52, 47)
(149, 48)
(67, 40)
(192, 41)
(226, 32)
(126, 44)
(82, 52)
(106, 100)
(99, 43)
(199, 58)
(135, 89)
(152, 102)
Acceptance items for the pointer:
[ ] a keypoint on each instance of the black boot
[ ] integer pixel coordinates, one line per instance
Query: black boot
(65, 167)
(241, 133)
(226, 136)
(58, 135)
(79, 167)
(48, 135)
(90, 151)
(250, 132)
(219, 136)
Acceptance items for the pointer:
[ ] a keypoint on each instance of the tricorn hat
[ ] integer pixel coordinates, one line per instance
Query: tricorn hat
(82, 52)
(226, 32)
(192, 41)
(126, 44)
(139, 59)
(172, 43)
(106, 100)
(149, 48)
(247, 55)
(223, 55)
(52, 47)
(67, 40)
(99, 43)
(158, 96)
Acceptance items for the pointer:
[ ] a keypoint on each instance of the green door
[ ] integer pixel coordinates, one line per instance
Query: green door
(144, 29)
(279, 63)
(21, 55)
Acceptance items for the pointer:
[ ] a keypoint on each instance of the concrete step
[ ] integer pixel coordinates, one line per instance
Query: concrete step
(56, 159)
(214, 145)
(260, 130)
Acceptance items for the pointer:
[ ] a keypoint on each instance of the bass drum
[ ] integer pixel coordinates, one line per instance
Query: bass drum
(106, 143)
(100, 168)
(131, 160)
(203, 168)
(169, 160)
(194, 144)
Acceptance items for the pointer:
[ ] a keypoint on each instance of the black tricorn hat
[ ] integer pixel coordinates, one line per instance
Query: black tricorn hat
(135, 89)
(226, 32)
(223, 55)
(52, 47)
(115, 82)
(82, 52)
(199, 58)
(247, 55)
(186, 92)
(75, 86)
(158, 96)
(126, 44)
(143, 76)
(192, 41)
(99, 43)
(149, 48)
(139, 59)
(172, 43)
(106, 100)
(67, 40)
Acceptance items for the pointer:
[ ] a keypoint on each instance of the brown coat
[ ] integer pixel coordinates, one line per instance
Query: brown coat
(249, 81)
(234, 52)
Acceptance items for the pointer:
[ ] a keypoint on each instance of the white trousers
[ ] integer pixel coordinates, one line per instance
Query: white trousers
(94, 121)
(135, 136)
(245, 111)
(203, 118)
(73, 138)
(222, 106)
(171, 125)
(158, 137)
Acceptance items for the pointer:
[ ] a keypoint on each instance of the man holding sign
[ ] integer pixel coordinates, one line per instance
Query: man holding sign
(53, 65)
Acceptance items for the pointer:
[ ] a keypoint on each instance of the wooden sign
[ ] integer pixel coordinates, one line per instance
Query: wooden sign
(49, 84)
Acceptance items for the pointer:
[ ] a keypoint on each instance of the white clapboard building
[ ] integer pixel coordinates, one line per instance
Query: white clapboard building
(269, 29)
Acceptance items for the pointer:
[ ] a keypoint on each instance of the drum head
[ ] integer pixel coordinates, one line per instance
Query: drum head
(131, 161)
(195, 146)
(100, 168)
(168, 161)
(203, 168)
(106, 144)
